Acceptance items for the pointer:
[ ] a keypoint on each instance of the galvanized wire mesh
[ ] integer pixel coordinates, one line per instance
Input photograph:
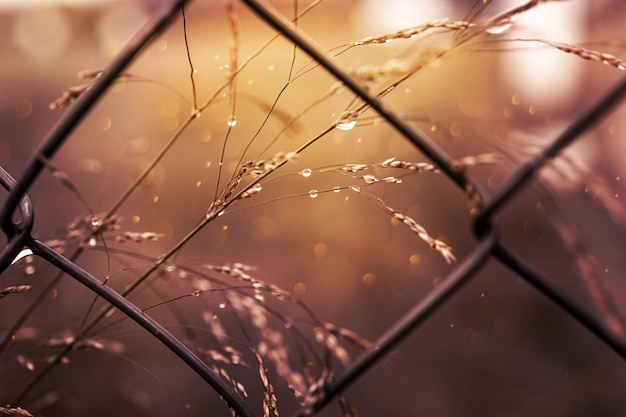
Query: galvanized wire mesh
(17, 214)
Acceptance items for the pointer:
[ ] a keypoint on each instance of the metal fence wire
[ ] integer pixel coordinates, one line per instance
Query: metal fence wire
(17, 216)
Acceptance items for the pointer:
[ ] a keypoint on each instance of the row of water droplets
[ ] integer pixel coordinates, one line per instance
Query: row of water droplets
(307, 172)
(347, 121)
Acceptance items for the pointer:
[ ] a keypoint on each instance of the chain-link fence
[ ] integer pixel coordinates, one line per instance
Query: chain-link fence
(18, 215)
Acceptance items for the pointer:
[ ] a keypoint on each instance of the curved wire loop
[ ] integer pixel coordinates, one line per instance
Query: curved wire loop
(19, 237)
(17, 233)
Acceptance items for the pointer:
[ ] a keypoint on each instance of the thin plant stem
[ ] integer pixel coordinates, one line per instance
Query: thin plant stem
(152, 326)
(63, 129)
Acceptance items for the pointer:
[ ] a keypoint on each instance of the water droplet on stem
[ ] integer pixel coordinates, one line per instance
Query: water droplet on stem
(346, 121)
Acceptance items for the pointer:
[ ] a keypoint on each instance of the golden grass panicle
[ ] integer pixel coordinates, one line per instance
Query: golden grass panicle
(14, 411)
(14, 289)
(25, 362)
(330, 342)
(316, 391)
(347, 409)
(411, 166)
(270, 402)
(138, 237)
(589, 54)
(72, 93)
(414, 31)
(474, 160)
(349, 335)
(444, 249)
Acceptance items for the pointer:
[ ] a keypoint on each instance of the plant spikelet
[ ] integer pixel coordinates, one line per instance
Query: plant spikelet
(14, 411)
(14, 289)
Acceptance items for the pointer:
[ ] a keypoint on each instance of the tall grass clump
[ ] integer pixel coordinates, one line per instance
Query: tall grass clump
(267, 204)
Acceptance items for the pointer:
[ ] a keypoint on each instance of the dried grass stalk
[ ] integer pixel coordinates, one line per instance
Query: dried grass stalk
(414, 31)
(14, 411)
(14, 289)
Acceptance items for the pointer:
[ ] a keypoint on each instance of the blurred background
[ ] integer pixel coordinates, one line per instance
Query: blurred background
(497, 348)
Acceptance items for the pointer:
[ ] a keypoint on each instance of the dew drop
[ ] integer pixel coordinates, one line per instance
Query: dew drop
(337, 189)
(222, 305)
(306, 172)
(313, 193)
(355, 188)
(30, 270)
(346, 125)
(231, 121)
(501, 28)
(346, 121)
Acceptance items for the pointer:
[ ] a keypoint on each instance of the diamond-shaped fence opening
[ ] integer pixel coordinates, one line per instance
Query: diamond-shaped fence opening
(278, 125)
